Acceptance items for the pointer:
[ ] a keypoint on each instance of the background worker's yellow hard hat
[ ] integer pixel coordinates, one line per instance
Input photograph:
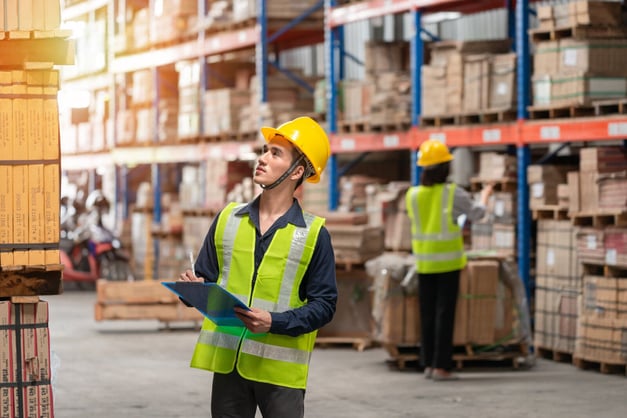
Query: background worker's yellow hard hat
(309, 137)
(433, 152)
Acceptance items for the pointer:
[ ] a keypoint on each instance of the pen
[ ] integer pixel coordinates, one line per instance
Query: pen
(191, 261)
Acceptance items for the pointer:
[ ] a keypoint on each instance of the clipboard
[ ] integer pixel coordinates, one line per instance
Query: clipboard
(210, 299)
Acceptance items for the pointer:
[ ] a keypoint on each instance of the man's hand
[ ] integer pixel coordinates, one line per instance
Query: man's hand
(189, 276)
(256, 320)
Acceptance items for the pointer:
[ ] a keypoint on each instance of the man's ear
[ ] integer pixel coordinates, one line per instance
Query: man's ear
(298, 172)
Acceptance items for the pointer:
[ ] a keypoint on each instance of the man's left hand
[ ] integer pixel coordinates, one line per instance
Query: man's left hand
(256, 320)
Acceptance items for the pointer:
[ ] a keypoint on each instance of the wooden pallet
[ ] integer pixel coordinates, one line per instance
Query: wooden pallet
(600, 218)
(389, 126)
(610, 107)
(600, 268)
(559, 111)
(578, 32)
(141, 300)
(352, 126)
(31, 280)
(556, 212)
(438, 120)
(555, 355)
(487, 116)
(600, 366)
(358, 343)
(405, 357)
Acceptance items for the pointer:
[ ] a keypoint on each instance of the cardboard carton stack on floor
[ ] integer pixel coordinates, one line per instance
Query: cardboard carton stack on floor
(598, 190)
(29, 212)
(558, 286)
(575, 71)
(25, 372)
(484, 315)
(468, 76)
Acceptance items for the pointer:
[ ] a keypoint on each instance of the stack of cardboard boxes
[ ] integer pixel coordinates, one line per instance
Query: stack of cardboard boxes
(468, 77)
(496, 232)
(583, 65)
(29, 212)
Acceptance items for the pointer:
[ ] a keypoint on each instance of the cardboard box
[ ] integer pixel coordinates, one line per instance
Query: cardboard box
(476, 91)
(590, 245)
(556, 255)
(52, 15)
(6, 116)
(34, 108)
(25, 15)
(502, 83)
(50, 129)
(20, 213)
(11, 21)
(574, 199)
(20, 115)
(52, 197)
(6, 214)
(36, 221)
(353, 317)
(25, 374)
(546, 58)
(601, 339)
(604, 159)
(597, 57)
(588, 191)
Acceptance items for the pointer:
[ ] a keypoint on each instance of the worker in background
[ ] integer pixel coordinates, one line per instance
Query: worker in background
(280, 261)
(437, 244)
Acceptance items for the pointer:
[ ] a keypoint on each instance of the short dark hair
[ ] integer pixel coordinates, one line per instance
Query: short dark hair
(435, 174)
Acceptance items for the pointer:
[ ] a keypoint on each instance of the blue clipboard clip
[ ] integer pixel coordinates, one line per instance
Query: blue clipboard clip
(213, 301)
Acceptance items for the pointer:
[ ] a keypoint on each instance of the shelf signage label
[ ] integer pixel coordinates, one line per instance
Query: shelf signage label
(491, 135)
(550, 132)
(391, 141)
(241, 36)
(347, 144)
(438, 136)
(617, 129)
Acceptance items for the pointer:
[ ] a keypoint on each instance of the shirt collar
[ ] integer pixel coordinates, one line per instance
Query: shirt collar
(294, 214)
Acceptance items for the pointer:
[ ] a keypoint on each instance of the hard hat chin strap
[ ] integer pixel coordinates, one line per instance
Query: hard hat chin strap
(284, 175)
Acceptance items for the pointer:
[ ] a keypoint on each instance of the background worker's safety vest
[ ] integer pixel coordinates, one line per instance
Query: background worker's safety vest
(271, 358)
(437, 241)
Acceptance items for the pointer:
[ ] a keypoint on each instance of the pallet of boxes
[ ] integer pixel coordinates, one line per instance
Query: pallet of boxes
(578, 58)
(30, 44)
(468, 82)
(600, 220)
(558, 279)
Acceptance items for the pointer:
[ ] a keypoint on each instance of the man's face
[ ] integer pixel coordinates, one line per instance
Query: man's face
(276, 157)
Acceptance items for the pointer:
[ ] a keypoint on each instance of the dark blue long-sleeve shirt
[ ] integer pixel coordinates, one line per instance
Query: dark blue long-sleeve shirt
(318, 287)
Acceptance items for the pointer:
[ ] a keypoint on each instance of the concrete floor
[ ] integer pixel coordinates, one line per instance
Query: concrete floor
(136, 369)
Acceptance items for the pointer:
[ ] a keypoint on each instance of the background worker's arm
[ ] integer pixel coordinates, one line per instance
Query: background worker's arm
(464, 204)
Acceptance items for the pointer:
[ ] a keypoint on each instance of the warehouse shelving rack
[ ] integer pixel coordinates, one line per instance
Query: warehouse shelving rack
(520, 134)
(260, 36)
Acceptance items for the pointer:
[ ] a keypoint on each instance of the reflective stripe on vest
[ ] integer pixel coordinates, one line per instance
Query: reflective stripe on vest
(437, 241)
(270, 358)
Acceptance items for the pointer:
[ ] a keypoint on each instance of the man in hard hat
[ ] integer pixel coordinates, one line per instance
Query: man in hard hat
(279, 260)
(437, 244)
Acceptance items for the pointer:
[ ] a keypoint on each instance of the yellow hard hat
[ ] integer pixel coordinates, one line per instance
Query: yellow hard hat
(309, 137)
(433, 152)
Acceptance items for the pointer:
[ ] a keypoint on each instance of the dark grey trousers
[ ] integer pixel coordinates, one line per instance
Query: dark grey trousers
(232, 396)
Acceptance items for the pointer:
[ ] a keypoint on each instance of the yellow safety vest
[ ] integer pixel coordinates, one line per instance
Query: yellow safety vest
(271, 358)
(437, 241)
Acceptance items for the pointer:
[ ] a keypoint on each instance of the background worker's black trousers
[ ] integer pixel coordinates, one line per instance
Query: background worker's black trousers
(438, 299)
